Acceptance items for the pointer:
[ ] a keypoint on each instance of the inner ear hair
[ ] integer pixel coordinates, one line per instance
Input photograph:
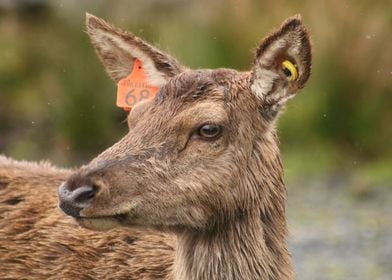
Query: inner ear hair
(117, 49)
(291, 42)
(282, 66)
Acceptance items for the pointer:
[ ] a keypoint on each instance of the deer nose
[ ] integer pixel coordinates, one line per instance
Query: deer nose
(74, 200)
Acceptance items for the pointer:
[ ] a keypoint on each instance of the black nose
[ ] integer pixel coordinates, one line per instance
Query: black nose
(74, 200)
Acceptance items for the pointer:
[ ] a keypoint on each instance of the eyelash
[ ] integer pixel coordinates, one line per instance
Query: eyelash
(203, 131)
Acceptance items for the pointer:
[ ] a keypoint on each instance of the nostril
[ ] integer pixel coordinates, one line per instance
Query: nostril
(72, 201)
(85, 196)
(84, 193)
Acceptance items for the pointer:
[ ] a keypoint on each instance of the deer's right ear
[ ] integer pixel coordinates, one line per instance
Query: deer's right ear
(117, 49)
(282, 66)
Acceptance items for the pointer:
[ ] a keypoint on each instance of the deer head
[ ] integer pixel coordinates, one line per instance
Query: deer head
(204, 151)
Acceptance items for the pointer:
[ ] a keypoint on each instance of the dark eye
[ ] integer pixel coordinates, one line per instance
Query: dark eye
(210, 131)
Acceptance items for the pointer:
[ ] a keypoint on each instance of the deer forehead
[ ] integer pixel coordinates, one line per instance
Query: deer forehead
(201, 95)
(194, 86)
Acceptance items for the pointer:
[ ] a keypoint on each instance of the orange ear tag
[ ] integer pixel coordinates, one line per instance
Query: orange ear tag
(134, 88)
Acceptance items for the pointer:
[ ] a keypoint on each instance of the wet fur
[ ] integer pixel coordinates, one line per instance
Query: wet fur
(37, 241)
(220, 212)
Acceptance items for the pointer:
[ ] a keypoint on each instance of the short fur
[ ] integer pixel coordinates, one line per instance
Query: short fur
(218, 203)
(38, 242)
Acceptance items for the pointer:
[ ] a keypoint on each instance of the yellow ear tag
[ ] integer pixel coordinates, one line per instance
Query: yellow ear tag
(134, 88)
(290, 70)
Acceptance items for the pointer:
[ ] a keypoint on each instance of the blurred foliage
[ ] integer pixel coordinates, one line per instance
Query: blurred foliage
(56, 102)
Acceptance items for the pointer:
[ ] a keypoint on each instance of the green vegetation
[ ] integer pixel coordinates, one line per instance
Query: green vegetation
(56, 102)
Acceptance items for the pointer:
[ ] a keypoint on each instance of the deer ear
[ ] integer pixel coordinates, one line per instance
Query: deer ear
(282, 66)
(118, 49)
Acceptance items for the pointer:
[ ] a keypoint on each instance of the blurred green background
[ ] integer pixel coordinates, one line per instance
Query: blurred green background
(57, 103)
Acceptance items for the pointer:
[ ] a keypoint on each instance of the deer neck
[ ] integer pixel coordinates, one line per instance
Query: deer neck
(250, 245)
(241, 250)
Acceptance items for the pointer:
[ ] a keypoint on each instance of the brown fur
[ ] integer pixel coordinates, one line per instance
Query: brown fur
(38, 242)
(223, 199)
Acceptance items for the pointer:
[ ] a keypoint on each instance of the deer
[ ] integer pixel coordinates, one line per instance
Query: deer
(194, 190)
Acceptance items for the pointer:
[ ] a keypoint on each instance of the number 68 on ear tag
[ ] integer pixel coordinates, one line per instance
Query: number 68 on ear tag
(134, 88)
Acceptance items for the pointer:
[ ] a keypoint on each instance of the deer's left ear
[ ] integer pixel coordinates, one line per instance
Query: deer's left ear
(282, 66)
(118, 49)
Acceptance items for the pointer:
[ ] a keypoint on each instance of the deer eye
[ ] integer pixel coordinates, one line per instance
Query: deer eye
(289, 70)
(210, 131)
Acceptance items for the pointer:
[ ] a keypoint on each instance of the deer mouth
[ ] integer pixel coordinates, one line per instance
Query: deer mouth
(102, 223)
